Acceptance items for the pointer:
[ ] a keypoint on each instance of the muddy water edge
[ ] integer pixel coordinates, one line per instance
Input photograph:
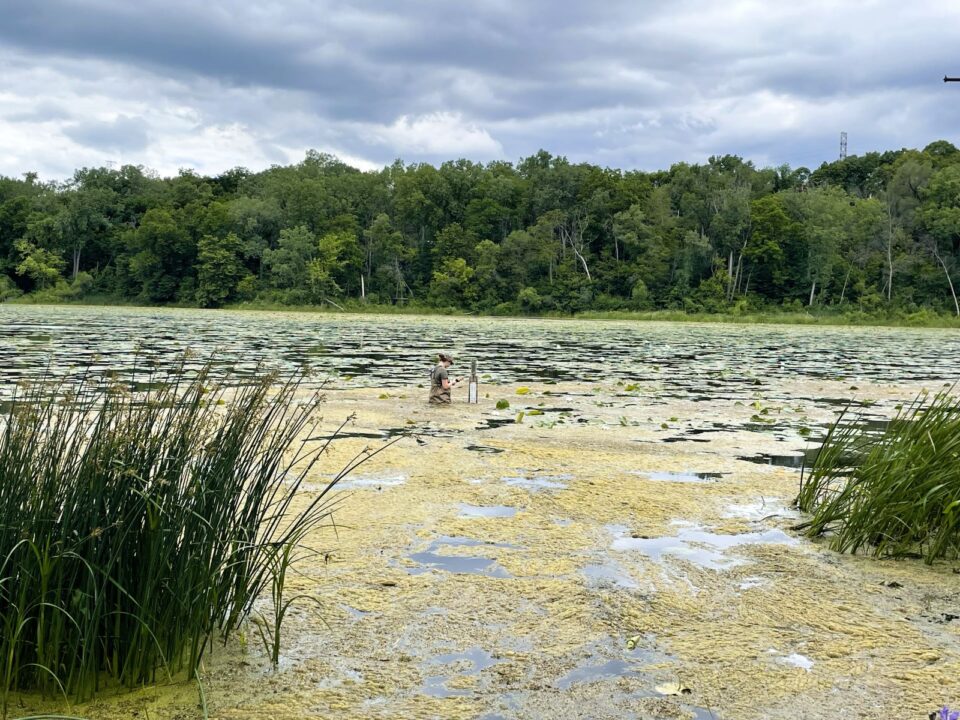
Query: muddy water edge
(623, 551)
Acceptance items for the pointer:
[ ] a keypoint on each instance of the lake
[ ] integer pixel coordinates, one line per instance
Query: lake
(621, 526)
(391, 351)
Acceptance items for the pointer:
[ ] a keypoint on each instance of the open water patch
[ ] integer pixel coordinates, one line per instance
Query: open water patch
(430, 559)
(611, 669)
(793, 461)
(353, 612)
(598, 666)
(348, 434)
(793, 660)
(608, 574)
(371, 482)
(751, 582)
(486, 511)
(757, 511)
(699, 547)
(472, 661)
(535, 483)
(680, 477)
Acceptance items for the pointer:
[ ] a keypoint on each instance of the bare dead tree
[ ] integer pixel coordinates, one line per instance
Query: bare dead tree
(572, 234)
(946, 271)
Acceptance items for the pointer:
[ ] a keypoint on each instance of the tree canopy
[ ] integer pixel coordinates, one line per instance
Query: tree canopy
(542, 235)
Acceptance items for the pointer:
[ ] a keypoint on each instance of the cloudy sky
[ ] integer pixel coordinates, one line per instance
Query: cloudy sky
(217, 84)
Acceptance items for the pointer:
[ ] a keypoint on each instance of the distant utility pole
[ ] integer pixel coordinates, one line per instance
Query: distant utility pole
(843, 145)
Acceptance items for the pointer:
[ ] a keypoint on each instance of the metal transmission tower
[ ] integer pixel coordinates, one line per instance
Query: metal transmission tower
(843, 145)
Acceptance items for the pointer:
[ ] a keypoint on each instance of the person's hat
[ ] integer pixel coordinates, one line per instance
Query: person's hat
(445, 356)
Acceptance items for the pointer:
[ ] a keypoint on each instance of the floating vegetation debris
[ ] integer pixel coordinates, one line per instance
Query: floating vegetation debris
(494, 423)
(484, 449)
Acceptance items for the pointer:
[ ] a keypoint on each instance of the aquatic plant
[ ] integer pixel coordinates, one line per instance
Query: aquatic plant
(896, 492)
(138, 527)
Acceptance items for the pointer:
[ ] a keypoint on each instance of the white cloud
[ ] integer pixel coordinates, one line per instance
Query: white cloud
(61, 116)
(440, 133)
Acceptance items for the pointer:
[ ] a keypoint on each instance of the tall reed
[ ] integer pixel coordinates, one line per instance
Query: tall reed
(894, 493)
(135, 528)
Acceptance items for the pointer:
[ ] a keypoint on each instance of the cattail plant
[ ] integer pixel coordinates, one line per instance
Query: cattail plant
(138, 527)
(894, 493)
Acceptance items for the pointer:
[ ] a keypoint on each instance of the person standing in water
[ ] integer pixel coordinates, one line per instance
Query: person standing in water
(440, 384)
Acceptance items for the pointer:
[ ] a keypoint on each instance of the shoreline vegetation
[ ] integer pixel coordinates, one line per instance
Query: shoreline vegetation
(872, 239)
(890, 494)
(834, 318)
(144, 520)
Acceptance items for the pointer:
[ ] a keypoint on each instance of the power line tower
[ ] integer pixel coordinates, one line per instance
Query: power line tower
(843, 145)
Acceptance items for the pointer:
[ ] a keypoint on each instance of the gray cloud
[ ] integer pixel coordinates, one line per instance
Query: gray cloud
(122, 134)
(623, 83)
(42, 112)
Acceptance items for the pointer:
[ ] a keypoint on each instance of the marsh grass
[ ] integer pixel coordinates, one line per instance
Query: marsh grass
(926, 319)
(137, 528)
(894, 493)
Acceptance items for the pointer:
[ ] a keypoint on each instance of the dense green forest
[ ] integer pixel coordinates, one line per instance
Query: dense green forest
(878, 233)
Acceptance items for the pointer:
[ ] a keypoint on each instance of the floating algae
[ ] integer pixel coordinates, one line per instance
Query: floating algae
(541, 624)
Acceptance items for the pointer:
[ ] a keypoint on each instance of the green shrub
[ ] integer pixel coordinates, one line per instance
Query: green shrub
(529, 300)
(8, 289)
(82, 284)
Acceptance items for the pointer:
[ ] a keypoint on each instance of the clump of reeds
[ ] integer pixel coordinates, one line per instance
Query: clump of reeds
(135, 528)
(895, 493)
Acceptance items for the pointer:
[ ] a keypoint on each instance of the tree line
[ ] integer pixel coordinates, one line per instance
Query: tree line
(878, 232)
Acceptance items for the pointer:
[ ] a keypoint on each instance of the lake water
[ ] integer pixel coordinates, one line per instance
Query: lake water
(390, 351)
(485, 519)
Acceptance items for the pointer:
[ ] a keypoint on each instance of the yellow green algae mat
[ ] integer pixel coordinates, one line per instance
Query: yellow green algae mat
(611, 553)
(613, 541)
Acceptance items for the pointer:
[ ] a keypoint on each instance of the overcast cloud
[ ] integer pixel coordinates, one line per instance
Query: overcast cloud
(632, 84)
